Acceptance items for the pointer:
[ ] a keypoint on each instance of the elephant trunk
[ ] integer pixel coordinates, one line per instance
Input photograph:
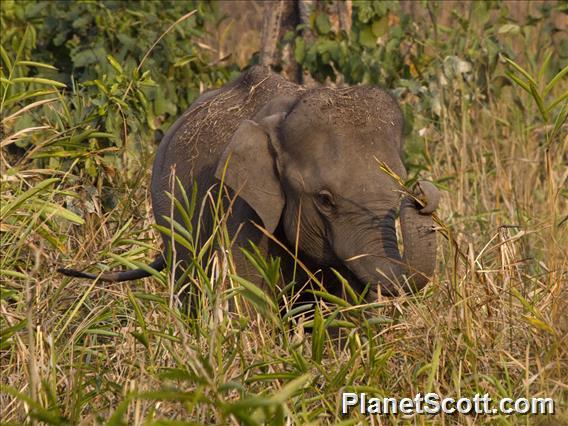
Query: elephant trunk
(385, 266)
(419, 240)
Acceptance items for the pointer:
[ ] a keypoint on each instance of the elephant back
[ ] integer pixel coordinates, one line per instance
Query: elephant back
(195, 142)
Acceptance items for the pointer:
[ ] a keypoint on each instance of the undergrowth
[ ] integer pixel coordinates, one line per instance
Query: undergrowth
(493, 319)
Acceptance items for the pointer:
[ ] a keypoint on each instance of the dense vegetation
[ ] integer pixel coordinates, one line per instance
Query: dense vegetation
(88, 88)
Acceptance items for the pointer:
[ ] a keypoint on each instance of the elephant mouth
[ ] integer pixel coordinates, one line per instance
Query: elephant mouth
(365, 287)
(370, 286)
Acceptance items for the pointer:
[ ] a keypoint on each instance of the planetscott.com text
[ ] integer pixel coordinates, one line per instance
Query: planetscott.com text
(432, 403)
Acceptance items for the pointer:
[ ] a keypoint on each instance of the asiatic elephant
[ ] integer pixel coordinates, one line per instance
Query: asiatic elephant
(303, 164)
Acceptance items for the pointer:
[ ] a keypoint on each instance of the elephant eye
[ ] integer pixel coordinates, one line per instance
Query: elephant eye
(325, 200)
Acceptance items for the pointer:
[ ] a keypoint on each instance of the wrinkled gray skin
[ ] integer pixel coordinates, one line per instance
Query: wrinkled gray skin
(303, 165)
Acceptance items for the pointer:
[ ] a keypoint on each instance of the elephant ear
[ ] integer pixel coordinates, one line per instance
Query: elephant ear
(251, 171)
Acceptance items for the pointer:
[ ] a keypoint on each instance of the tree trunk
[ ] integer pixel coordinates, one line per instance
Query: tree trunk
(279, 17)
(282, 16)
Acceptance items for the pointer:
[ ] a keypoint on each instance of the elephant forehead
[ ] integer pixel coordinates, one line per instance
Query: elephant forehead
(361, 103)
(337, 151)
(364, 109)
(344, 124)
(334, 139)
(351, 174)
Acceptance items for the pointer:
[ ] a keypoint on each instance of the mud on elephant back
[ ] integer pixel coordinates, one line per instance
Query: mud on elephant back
(302, 163)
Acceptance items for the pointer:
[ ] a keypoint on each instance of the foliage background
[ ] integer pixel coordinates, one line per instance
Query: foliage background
(88, 90)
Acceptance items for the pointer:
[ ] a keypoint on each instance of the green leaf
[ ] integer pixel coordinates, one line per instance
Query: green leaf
(7, 332)
(434, 366)
(322, 24)
(289, 389)
(22, 198)
(257, 296)
(347, 288)
(544, 67)
(114, 63)
(538, 323)
(89, 56)
(76, 139)
(5, 57)
(522, 84)
(364, 11)
(102, 332)
(13, 274)
(539, 101)
(35, 64)
(296, 311)
(56, 210)
(555, 80)
(38, 80)
(557, 101)
(521, 70)
(331, 298)
(366, 37)
(509, 29)
(143, 336)
(318, 336)
(269, 377)
(560, 120)
(380, 27)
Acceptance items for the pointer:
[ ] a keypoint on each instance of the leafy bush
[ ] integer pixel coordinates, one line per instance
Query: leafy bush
(422, 60)
(117, 91)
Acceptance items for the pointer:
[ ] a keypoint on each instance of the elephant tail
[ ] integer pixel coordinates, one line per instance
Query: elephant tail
(158, 264)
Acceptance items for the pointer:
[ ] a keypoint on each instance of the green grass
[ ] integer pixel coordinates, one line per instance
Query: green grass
(493, 319)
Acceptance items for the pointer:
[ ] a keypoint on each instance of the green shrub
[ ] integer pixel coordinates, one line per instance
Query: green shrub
(97, 49)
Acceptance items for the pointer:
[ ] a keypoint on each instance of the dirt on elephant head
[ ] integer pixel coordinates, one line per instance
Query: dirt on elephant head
(221, 115)
(361, 106)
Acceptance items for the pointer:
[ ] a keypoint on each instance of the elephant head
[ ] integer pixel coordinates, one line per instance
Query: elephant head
(308, 163)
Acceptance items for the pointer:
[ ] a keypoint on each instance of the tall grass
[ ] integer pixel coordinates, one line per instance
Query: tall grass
(493, 320)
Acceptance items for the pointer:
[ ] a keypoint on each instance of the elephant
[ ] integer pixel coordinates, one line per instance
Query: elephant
(299, 166)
